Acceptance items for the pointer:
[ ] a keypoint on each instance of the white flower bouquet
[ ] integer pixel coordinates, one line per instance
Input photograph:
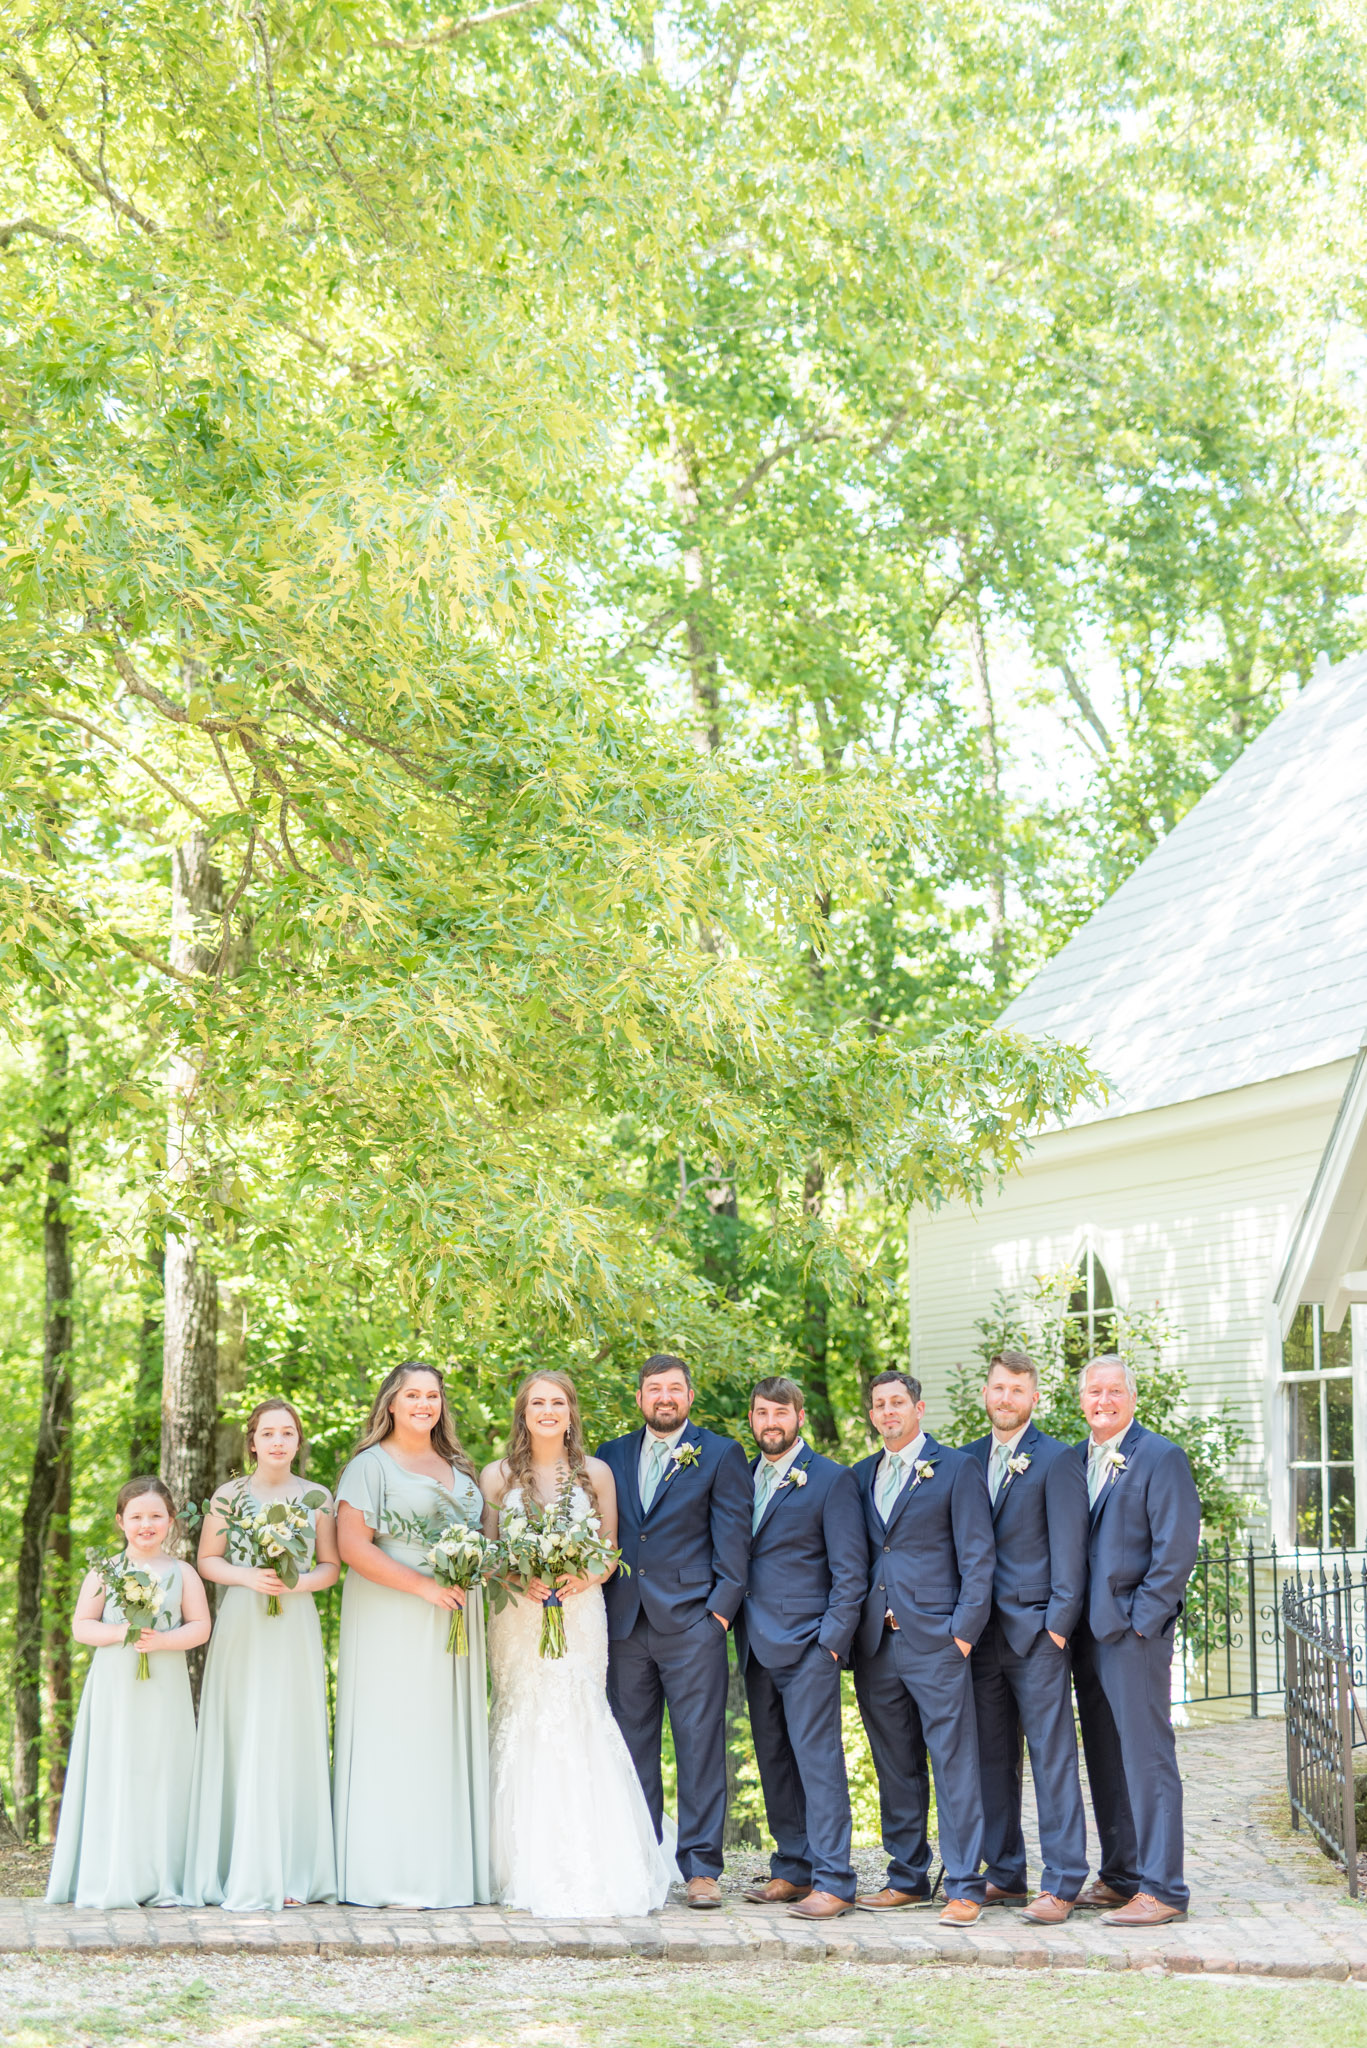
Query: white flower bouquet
(271, 1535)
(139, 1594)
(554, 1543)
(458, 1554)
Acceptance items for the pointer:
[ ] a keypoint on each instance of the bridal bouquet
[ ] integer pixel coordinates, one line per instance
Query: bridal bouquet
(560, 1541)
(458, 1553)
(138, 1593)
(271, 1535)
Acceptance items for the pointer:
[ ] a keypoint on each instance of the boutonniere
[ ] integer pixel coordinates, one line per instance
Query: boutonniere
(1114, 1463)
(795, 1476)
(923, 1469)
(683, 1456)
(1020, 1463)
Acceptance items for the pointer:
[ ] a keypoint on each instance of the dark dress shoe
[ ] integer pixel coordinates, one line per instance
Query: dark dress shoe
(886, 1900)
(777, 1892)
(997, 1897)
(702, 1893)
(1102, 1897)
(820, 1906)
(1143, 1910)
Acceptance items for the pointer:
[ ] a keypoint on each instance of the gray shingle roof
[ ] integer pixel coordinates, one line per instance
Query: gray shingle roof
(1238, 951)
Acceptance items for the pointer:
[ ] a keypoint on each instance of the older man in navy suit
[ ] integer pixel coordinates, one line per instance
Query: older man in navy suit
(683, 1505)
(1145, 1533)
(1022, 1668)
(809, 1572)
(930, 1597)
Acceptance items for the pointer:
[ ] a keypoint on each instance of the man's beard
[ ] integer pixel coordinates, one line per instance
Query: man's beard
(776, 1450)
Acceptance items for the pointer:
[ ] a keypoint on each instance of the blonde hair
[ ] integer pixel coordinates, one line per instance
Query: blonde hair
(380, 1421)
(518, 1457)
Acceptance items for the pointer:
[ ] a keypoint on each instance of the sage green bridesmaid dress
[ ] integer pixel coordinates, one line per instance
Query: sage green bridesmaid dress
(411, 1747)
(121, 1835)
(261, 1807)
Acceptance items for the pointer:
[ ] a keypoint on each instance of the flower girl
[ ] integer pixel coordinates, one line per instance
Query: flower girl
(121, 1835)
(261, 1808)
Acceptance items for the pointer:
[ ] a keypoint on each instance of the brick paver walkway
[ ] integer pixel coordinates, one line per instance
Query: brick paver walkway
(1261, 1904)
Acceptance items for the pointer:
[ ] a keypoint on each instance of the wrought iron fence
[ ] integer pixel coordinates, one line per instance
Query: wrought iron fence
(1322, 1639)
(1230, 1639)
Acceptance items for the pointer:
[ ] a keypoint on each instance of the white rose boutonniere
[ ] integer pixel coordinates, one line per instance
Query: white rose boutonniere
(796, 1477)
(1020, 1463)
(684, 1455)
(1114, 1463)
(922, 1470)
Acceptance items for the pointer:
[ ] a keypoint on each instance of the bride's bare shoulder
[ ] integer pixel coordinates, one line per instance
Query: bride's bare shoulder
(493, 1480)
(599, 1473)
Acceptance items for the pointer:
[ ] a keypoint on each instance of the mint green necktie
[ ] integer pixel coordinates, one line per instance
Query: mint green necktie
(892, 1482)
(659, 1451)
(1000, 1454)
(762, 1493)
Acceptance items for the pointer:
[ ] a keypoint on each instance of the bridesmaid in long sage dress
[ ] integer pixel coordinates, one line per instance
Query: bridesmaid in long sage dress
(261, 1808)
(411, 1752)
(121, 1835)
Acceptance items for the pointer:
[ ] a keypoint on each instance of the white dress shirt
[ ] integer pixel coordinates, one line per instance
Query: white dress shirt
(647, 1455)
(995, 1462)
(909, 1453)
(779, 1466)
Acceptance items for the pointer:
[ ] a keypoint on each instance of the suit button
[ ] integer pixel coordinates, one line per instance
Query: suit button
(886, 1548)
(882, 1589)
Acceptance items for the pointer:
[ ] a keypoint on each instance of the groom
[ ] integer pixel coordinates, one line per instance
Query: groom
(683, 1526)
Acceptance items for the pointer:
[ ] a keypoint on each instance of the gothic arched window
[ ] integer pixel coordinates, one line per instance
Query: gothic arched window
(1090, 1324)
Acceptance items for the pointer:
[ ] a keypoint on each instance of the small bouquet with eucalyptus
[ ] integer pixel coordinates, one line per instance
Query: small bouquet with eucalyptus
(458, 1554)
(271, 1535)
(563, 1540)
(139, 1595)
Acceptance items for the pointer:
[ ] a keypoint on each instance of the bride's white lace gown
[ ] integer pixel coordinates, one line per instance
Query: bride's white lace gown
(571, 1836)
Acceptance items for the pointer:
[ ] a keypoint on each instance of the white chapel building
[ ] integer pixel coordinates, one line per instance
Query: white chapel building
(1222, 992)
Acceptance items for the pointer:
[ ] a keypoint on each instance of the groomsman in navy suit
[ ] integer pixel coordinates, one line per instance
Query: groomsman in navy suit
(1021, 1665)
(930, 1597)
(684, 1498)
(1145, 1533)
(809, 1572)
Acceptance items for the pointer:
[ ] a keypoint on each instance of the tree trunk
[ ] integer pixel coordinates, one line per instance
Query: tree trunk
(189, 1382)
(51, 1452)
(815, 1336)
(229, 1447)
(144, 1442)
(991, 770)
(61, 1599)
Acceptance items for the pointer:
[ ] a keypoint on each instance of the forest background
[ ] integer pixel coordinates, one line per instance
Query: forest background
(585, 591)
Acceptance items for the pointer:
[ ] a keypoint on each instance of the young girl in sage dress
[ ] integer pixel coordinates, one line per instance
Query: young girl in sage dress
(261, 1808)
(411, 1756)
(121, 1835)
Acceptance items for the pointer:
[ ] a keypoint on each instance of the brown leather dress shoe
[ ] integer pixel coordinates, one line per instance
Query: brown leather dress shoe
(1143, 1910)
(887, 1900)
(1047, 1910)
(960, 1912)
(1102, 1896)
(997, 1897)
(777, 1892)
(820, 1906)
(702, 1893)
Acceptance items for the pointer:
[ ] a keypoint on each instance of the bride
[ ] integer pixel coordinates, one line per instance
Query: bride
(571, 1834)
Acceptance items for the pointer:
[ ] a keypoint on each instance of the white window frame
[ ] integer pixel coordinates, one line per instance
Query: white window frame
(1290, 1465)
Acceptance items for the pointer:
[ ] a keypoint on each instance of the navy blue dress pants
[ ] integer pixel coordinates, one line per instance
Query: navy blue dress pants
(1124, 1703)
(795, 1720)
(913, 1703)
(1030, 1697)
(649, 1670)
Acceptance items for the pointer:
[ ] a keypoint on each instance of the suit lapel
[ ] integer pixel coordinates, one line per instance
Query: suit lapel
(930, 1454)
(669, 1477)
(1025, 1448)
(1126, 1448)
(785, 1486)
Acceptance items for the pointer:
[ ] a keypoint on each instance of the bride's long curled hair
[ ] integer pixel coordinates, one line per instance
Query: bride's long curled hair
(380, 1422)
(518, 1457)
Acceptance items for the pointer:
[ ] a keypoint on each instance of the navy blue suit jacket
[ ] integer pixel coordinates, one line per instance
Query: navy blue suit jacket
(809, 1565)
(689, 1552)
(1040, 1527)
(1145, 1534)
(932, 1561)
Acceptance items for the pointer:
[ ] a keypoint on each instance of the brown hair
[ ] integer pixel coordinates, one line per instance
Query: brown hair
(380, 1421)
(662, 1361)
(779, 1389)
(267, 1408)
(146, 1482)
(901, 1379)
(1018, 1362)
(518, 1457)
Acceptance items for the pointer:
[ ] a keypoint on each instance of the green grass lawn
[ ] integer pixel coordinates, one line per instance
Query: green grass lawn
(71, 2002)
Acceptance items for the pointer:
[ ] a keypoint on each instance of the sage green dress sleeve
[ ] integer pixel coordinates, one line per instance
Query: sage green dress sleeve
(411, 1748)
(121, 1834)
(261, 1804)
